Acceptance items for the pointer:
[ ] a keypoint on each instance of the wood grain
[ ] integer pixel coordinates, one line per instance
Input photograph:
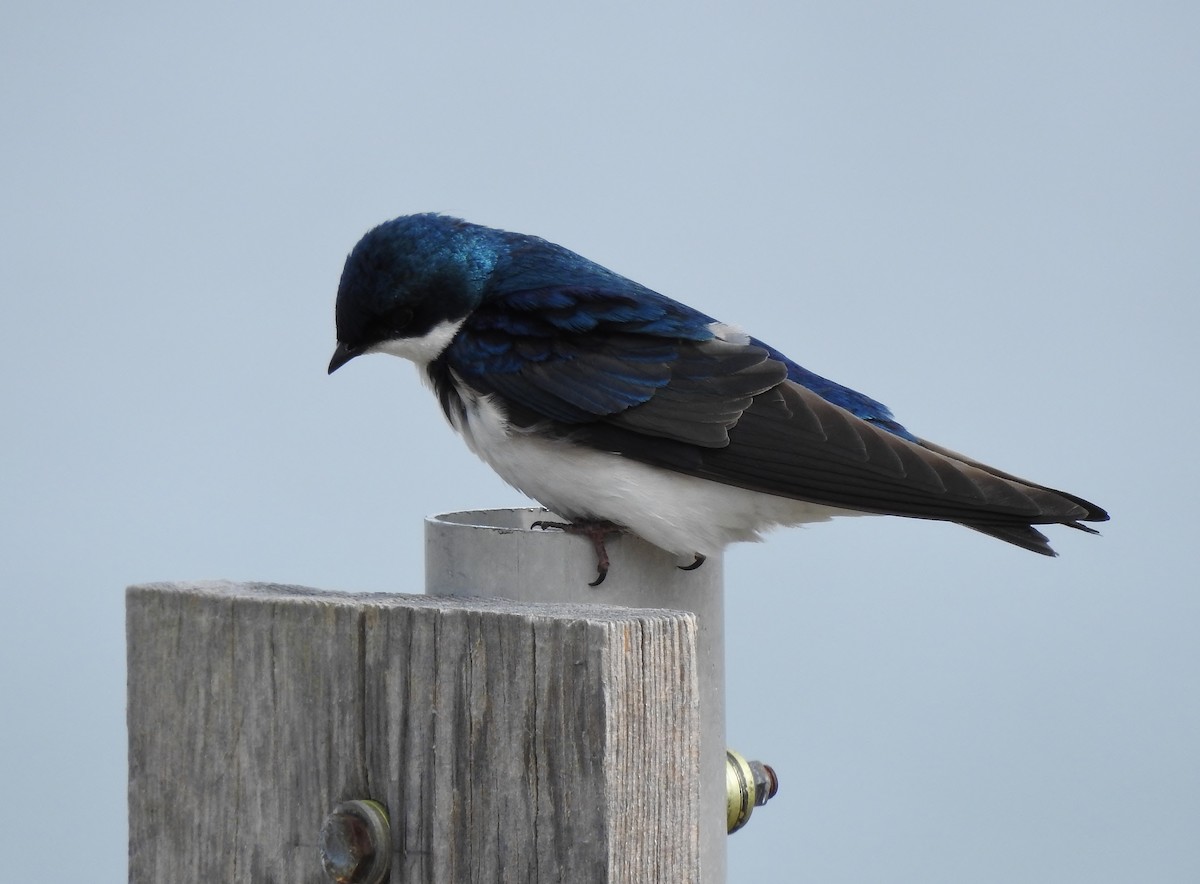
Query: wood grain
(510, 742)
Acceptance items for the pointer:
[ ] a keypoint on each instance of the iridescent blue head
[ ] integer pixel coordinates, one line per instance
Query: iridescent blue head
(409, 278)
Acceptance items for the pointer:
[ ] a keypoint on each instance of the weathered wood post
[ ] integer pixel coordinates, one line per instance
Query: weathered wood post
(508, 742)
(493, 553)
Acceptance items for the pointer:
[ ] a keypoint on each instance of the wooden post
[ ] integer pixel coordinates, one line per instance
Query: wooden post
(493, 553)
(508, 742)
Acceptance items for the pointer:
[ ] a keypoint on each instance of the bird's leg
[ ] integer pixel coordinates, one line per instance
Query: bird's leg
(694, 565)
(595, 530)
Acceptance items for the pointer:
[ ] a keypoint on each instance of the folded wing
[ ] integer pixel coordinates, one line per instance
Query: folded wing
(652, 380)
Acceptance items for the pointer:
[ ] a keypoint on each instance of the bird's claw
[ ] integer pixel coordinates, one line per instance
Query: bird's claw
(694, 565)
(594, 530)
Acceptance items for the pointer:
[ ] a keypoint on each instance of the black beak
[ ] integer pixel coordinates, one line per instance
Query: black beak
(342, 355)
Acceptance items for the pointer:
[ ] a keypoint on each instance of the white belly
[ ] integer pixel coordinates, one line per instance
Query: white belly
(678, 513)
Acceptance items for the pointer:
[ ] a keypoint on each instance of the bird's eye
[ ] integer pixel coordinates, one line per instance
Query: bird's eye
(399, 318)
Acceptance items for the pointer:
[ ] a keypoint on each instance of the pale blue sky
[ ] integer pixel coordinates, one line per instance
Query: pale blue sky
(985, 215)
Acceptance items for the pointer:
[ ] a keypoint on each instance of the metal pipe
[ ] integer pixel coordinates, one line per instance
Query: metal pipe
(495, 553)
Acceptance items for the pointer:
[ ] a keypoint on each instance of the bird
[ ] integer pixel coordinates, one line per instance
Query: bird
(622, 410)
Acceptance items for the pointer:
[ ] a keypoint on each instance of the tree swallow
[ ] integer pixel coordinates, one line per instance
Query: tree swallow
(621, 409)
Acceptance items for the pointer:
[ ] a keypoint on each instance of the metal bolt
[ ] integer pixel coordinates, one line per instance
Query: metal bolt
(356, 843)
(748, 784)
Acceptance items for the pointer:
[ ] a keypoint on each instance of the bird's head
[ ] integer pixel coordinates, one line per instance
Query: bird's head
(408, 285)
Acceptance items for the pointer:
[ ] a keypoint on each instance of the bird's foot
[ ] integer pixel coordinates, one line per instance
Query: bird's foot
(595, 530)
(694, 565)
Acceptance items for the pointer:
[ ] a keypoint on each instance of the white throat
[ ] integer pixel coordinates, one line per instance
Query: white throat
(425, 349)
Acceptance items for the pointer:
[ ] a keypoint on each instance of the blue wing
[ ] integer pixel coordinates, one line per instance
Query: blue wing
(575, 354)
(571, 354)
(629, 371)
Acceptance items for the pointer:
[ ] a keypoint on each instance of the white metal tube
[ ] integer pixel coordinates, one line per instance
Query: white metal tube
(495, 553)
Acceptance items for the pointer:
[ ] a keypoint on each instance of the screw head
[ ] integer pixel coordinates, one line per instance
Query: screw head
(748, 784)
(355, 843)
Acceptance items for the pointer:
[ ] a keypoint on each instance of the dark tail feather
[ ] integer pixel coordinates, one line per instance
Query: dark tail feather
(1024, 536)
(1092, 513)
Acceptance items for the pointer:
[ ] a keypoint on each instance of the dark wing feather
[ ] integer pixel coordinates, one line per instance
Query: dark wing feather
(648, 379)
(792, 443)
(650, 365)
